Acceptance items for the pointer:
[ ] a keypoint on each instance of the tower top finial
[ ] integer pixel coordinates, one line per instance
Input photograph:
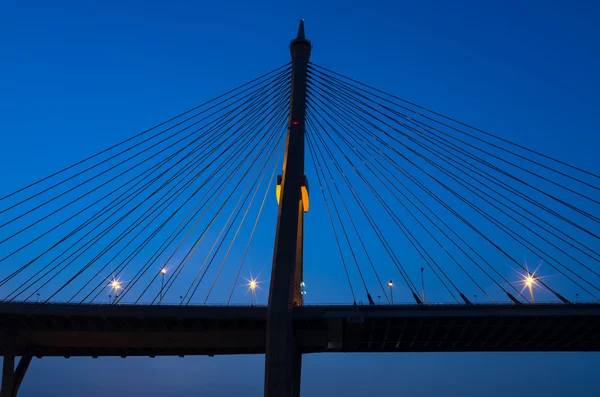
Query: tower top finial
(300, 46)
(301, 35)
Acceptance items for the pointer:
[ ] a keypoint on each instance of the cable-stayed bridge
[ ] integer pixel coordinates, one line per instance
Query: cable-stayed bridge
(151, 247)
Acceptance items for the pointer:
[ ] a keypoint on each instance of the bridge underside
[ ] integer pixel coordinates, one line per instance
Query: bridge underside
(83, 330)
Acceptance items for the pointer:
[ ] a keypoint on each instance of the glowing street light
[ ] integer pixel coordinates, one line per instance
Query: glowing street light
(529, 281)
(252, 285)
(116, 286)
(391, 285)
(163, 271)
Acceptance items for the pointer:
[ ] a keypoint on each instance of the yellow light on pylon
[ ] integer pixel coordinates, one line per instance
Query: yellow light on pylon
(303, 190)
(305, 199)
(278, 189)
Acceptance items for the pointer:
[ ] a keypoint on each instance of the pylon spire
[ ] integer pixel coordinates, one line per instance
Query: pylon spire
(300, 35)
(300, 47)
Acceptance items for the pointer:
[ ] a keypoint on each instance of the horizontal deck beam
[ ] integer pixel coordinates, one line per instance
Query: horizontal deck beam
(105, 330)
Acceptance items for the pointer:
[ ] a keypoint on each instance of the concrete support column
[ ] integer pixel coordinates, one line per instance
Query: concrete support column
(8, 373)
(297, 373)
(20, 373)
(280, 354)
(11, 377)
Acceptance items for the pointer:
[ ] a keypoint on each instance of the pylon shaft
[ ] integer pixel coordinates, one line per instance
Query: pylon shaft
(281, 376)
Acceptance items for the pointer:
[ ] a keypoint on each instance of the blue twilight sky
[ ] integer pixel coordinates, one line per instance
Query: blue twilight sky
(78, 76)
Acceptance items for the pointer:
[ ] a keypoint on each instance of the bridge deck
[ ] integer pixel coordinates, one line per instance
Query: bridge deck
(104, 330)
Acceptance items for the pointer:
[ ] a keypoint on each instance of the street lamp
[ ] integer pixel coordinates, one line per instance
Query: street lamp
(391, 284)
(529, 281)
(116, 286)
(163, 271)
(252, 285)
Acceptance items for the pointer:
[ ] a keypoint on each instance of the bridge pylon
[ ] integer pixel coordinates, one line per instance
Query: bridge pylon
(283, 357)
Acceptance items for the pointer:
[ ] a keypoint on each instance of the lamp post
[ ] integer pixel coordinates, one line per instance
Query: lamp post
(423, 285)
(163, 271)
(115, 285)
(391, 284)
(529, 281)
(252, 287)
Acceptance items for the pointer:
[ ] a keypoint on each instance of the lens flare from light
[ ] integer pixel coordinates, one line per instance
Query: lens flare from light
(115, 284)
(252, 283)
(529, 280)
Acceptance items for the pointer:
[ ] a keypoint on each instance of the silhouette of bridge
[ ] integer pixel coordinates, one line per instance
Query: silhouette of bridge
(395, 187)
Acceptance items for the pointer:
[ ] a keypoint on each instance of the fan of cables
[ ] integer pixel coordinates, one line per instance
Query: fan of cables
(408, 190)
(156, 217)
(172, 212)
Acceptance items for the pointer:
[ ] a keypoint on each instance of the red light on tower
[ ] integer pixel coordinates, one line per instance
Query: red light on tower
(295, 122)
